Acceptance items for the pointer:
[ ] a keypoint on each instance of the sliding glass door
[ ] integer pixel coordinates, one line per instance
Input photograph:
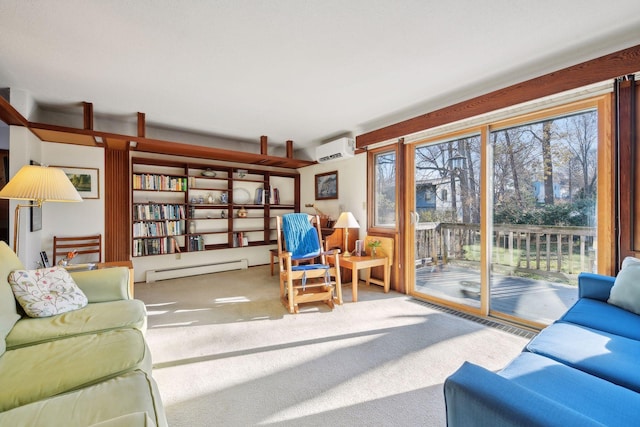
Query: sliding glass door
(504, 217)
(447, 220)
(544, 214)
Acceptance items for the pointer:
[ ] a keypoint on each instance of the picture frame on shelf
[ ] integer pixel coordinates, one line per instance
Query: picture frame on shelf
(85, 180)
(326, 185)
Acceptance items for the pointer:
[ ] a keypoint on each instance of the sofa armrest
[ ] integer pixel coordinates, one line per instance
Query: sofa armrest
(595, 286)
(105, 284)
(475, 396)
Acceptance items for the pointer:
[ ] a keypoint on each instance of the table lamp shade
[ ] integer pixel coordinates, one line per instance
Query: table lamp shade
(346, 220)
(42, 184)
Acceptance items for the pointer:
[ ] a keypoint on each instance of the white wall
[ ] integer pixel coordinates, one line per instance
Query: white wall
(352, 189)
(72, 219)
(23, 147)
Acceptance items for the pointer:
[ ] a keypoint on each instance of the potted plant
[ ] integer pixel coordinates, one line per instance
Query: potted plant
(374, 245)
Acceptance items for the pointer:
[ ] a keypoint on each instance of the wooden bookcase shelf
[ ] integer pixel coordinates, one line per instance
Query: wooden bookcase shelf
(186, 207)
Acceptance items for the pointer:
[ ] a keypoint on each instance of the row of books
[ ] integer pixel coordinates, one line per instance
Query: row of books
(196, 243)
(153, 229)
(159, 182)
(267, 197)
(165, 245)
(150, 211)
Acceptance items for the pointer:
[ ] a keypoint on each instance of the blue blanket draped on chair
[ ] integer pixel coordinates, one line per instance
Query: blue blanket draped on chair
(300, 237)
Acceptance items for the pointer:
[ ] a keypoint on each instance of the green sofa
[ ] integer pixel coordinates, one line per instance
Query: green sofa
(87, 367)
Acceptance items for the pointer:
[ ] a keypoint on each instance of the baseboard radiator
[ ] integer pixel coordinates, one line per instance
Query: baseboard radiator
(194, 270)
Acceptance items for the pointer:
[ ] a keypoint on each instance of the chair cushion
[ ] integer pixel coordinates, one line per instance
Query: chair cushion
(40, 371)
(8, 313)
(596, 314)
(95, 317)
(625, 292)
(608, 356)
(106, 401)
(46, 291)
(591, 396)
(306, 267)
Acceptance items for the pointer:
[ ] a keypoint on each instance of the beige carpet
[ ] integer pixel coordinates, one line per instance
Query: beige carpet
(227, 353)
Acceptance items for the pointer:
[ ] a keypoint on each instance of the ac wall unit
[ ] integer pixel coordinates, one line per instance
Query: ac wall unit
(342, 148)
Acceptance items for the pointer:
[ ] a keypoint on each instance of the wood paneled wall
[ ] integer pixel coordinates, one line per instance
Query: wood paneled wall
(117, 226)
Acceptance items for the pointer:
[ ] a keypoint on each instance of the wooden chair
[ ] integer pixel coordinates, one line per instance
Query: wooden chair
(81, 244)
(299, 241)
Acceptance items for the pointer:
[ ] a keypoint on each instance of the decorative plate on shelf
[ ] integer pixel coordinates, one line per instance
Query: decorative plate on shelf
(241, 195)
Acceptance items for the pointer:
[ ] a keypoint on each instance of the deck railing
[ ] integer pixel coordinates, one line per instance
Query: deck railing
(523, 247)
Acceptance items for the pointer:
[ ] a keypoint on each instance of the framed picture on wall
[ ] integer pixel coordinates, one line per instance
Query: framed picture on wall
(327, 185)
(85, 180)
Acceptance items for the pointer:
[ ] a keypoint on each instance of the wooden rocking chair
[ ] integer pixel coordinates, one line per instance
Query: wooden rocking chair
(299, 241)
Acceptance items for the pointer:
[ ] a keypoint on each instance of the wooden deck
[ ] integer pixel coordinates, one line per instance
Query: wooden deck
(537, 300)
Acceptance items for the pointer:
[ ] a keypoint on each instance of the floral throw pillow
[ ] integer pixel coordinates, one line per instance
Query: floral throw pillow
(46, 291)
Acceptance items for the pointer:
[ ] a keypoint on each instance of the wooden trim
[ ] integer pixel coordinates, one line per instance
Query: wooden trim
(10, 115)
(607, 173)
(87, 112)
(289, 154)
(597, 70)
(627, 140)
(264, 145)
(142, 125)
(403, 224)
(486, 219)
(86, 137)
(117, 225)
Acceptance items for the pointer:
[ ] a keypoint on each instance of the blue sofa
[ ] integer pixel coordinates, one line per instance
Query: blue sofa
(583, 370)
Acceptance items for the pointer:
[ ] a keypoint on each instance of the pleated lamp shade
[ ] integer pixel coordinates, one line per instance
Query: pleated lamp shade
(42, 184)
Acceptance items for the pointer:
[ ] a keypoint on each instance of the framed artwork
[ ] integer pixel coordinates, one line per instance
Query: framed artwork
(85, 180)
(327, 185)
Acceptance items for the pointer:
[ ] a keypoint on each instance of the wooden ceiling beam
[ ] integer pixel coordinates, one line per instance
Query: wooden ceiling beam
(606, 67)
(10, 115)
(90, 137)
(87, 112)
(142, 125)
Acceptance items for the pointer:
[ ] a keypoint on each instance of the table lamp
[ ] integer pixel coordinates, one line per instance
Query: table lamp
(346, 220)
(38, 184)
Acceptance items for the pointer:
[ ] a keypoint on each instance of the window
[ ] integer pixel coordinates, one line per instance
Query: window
(384, 197)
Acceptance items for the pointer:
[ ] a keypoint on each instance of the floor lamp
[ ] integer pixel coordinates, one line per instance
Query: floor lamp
(346, 220)
(38, 184)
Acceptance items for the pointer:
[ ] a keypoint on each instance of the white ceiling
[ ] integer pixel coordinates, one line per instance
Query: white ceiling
(294, 69)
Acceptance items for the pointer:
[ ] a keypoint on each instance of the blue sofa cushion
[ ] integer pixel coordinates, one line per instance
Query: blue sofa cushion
(477, 397)
(608, 356)
(589, 395)
(605, 317)
(626, 289)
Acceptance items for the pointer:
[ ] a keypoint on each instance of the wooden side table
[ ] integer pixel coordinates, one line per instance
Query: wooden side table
(355, 263)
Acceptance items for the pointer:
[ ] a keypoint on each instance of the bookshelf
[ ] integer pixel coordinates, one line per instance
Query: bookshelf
(185, 207)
